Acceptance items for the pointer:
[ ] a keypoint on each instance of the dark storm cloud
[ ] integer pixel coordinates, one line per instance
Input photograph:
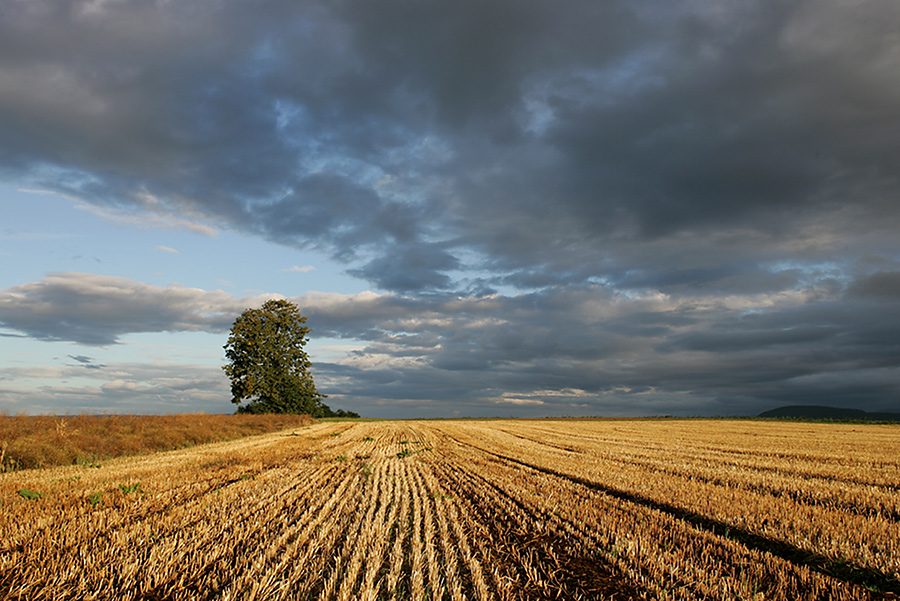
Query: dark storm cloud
(652, 354)
(880, 285)
(410, 268)
(539, 135)
(739, 163)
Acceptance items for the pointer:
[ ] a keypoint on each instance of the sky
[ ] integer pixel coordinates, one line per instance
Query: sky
(484, 208)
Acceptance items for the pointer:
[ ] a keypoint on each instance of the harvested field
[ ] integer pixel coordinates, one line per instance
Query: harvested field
(471, 510)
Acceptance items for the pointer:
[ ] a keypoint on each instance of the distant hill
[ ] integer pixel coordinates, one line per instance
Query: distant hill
(821, 412)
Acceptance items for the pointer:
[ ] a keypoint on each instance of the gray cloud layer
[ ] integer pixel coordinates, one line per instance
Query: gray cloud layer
(96, 310)
(739, 162)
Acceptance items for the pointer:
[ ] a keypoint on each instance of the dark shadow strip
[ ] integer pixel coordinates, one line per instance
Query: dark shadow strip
(568, 574)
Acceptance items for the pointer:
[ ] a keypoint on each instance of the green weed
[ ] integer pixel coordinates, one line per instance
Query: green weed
(130, 488)
(408, 452)
(88, 463)
(30, 494)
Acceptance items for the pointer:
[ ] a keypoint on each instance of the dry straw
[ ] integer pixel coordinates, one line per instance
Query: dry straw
(474, 510)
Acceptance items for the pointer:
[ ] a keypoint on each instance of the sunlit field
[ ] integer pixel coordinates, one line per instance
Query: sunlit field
(28, 441)
(501, 509)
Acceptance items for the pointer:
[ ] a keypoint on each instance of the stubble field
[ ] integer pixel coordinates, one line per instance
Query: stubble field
(570, 509)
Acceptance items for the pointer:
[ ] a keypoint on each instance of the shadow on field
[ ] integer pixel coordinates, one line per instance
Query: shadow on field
(537, 562)
(872, 579)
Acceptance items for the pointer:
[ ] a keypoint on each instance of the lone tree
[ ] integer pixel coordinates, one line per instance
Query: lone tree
(268, 366)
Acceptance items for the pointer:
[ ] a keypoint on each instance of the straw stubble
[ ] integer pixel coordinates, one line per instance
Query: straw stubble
(471, 510)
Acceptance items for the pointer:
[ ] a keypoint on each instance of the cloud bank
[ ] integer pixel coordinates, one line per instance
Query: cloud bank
(567, 351)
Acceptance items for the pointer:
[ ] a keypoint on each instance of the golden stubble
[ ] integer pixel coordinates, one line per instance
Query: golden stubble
(500, 509)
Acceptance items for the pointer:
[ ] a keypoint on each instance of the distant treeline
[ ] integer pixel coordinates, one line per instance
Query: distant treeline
(832, 413)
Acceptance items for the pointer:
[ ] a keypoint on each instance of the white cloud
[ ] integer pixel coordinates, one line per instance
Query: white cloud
(44, 192)
(149, 220)
(297, 269)
(167, 249)
(511, 400)
(153, 216)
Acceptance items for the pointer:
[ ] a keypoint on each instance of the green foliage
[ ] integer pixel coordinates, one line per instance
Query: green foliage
(30, 494)
(94, 499)
(338, 413)
(268, 366)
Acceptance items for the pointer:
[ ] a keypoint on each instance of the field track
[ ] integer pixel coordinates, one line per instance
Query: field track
(501, 509)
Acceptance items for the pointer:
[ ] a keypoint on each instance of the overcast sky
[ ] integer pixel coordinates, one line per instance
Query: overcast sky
(491, 207)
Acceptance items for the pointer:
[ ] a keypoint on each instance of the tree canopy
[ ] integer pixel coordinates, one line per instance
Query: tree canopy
(268, 365)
